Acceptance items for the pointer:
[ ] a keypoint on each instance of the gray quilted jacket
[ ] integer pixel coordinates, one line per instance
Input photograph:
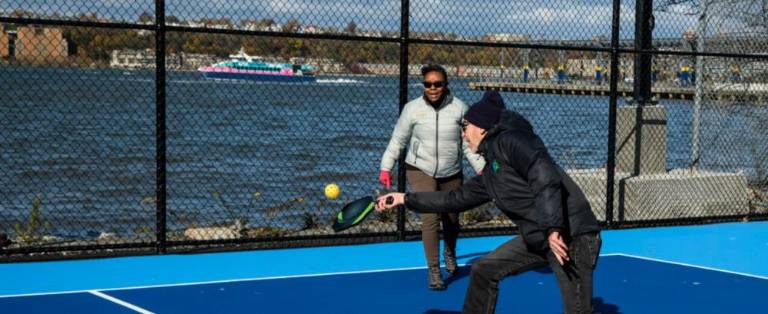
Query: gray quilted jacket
(433, 137)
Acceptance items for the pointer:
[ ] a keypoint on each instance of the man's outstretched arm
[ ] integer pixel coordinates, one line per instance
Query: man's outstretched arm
(468, 196)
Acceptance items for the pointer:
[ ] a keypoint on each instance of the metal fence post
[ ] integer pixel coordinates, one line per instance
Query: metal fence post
(701, 31)
(643, 41)
(611, 162)
(160, 153)
(404, 41)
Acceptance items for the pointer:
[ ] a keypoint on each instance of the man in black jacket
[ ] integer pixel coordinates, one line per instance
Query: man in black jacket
(555, 222)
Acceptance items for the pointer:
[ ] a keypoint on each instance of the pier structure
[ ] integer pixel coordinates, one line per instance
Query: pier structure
(721, 92)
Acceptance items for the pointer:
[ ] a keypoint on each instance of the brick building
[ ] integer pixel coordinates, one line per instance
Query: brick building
(39, 45)
(6, 42)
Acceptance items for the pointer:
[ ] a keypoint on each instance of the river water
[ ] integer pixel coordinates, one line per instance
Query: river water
(83, 141)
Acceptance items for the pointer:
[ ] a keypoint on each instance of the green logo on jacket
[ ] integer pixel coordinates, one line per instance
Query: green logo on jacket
(495, 166)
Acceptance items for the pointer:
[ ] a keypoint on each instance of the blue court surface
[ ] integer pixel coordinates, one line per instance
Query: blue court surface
(721, 268)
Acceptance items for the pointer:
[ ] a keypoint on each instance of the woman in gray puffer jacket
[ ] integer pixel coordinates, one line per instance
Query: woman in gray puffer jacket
(430, 127)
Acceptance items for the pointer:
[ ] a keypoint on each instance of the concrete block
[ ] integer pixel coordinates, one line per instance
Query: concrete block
(593, 183)
(648, 154)
(682, 194)
(677, 194)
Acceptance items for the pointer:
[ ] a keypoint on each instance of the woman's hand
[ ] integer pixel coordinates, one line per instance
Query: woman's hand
(385, 178)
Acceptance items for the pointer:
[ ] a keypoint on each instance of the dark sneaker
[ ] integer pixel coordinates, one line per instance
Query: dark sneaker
(435, 279)
(450, 263)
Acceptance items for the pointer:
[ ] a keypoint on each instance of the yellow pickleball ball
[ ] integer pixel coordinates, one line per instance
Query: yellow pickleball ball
(332, 191)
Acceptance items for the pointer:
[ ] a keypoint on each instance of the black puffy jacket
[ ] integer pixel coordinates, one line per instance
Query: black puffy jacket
(523, 181)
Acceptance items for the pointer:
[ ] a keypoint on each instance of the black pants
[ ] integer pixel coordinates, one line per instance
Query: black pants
(513, 257)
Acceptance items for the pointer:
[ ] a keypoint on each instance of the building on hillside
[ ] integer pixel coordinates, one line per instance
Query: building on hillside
(325, 65)
(507, 37)
(132, 59)
(40, 45)
(145, 59)
(7, 38)
(192, 61)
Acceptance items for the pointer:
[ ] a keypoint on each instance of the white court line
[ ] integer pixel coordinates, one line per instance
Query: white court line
(232, 280)
(121, 302)
(690, 265)
(337, 273)
(214, 282)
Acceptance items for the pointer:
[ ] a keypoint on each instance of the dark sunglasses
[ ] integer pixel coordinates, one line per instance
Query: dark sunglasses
(437, 84)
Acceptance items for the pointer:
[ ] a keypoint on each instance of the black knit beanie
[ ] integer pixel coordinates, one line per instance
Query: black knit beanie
(486, 112)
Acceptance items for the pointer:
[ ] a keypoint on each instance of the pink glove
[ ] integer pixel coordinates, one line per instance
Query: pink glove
(385, 179)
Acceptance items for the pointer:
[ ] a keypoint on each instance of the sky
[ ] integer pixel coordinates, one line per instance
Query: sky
(540, 19)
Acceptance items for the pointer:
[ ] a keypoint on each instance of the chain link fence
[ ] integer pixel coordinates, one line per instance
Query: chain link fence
(107, 149)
